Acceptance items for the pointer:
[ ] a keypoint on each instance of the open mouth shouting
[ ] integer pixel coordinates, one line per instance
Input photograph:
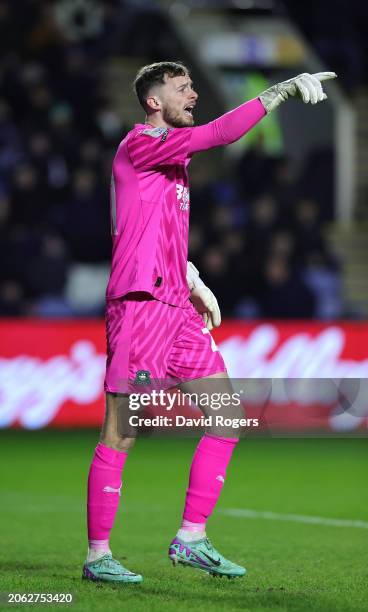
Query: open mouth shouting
(188, 110)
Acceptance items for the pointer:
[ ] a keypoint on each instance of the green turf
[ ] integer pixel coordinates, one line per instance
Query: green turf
(291, 566)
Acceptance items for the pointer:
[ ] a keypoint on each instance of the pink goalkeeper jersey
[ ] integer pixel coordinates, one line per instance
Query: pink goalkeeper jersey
(149, 203)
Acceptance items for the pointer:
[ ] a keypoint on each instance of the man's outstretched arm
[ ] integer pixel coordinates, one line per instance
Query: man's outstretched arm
(154, 147)
(228, 128)
(233, 125)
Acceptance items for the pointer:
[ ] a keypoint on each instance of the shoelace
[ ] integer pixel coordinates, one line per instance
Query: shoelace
(110, 561)
(115, 564)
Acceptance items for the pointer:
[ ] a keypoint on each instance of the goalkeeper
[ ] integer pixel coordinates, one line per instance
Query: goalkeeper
(159, 313)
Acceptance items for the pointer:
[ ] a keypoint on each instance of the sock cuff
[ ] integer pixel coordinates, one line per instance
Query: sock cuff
(98, 544)
(232, 441)
(193, 527)
(110, 455)
(216, 446)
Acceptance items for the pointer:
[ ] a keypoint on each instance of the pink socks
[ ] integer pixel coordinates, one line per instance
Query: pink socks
(104, 485)
(207, 477)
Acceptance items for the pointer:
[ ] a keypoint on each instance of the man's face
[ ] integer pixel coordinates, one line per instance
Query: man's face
(177, 100)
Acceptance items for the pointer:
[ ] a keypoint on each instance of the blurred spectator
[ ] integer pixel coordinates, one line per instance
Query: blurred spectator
(39, 104)
(11, 299)
(283, 185)
(252, 170)
(215, 269)
(317, 182)
(263, 221)
(29, 197)
(10, 142)
(283, 294)
(307, 230)
(325, 282)
(86, 222)
(46, 273)
(282, 245)
(196, 242)
(64, 132)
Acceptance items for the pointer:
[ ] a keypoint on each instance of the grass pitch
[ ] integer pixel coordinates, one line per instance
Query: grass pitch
(292, 566)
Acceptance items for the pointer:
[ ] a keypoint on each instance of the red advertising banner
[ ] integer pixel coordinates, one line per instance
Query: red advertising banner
(51, 372)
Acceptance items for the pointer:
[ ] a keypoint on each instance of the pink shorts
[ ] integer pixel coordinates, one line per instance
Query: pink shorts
(150, 343)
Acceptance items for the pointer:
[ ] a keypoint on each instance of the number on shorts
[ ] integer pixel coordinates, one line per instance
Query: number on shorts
(213, 343)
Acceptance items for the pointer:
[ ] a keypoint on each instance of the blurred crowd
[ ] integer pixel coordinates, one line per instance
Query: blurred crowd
(338, 31)
(258, 238)
(256, 234)
(58, 135)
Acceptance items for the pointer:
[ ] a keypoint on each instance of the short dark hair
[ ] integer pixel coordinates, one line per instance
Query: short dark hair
(154, 74)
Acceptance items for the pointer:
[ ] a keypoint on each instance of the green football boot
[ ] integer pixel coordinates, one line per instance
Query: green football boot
(108, 569)
(202, 555)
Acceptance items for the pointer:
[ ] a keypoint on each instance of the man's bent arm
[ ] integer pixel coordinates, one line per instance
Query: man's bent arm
(228, 128)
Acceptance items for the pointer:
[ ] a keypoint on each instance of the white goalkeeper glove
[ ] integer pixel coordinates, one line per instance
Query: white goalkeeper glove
(202, 298)
(307, 86)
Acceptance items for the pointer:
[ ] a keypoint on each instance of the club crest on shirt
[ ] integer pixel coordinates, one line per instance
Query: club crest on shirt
(157, 132)
(142, 377)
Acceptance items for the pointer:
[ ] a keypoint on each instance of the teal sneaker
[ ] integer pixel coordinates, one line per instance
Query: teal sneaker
(108, 569)
(202, 555)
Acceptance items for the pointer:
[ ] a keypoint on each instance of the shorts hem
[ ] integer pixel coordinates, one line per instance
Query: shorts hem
(172, 383)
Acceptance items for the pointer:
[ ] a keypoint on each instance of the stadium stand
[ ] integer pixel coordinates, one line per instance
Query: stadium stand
(259, 222)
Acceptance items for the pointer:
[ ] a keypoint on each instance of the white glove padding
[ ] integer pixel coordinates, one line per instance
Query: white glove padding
(192, 275)
(206, 304)
(307, 86)
(203, 299)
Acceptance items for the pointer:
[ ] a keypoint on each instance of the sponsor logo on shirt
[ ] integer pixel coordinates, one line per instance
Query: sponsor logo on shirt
(157, 133)
(182, 194)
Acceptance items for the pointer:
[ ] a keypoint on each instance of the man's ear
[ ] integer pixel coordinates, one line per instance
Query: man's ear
(153, 103)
